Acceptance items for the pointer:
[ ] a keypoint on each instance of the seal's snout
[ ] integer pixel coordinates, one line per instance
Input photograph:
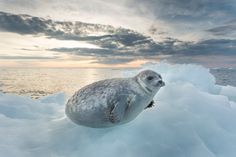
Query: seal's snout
(161, 83)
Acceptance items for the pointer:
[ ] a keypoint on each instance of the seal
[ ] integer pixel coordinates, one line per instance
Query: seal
(112, 102)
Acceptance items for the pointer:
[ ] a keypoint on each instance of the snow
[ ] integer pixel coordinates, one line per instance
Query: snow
(192, 117)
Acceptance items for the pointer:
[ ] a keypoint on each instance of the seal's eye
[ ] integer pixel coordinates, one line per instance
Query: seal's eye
(150, 78)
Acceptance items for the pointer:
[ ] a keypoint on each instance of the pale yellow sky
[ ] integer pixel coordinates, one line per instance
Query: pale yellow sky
(32, 51)
(66, 64)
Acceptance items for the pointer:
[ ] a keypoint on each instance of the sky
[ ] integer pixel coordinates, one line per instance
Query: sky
(181, 31)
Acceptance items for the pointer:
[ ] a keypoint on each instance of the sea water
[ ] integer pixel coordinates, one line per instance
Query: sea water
(38, 82)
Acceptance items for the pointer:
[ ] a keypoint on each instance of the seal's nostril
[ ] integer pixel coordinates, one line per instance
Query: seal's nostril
(161, 83)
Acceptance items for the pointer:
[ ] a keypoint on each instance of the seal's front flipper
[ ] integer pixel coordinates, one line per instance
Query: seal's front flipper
(114, 116)
(118, 108)
(151, 104)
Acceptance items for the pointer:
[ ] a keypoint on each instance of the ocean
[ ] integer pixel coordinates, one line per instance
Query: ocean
(38, 82)
(225, 76)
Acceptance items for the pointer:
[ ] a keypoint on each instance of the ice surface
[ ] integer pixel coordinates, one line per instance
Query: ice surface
(192, 117)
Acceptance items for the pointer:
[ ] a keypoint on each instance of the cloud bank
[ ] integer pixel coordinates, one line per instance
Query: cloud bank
(180, 18)
(123, 45)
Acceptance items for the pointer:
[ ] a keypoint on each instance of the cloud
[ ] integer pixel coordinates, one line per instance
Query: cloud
(183, 9)
(26, 57)
(210, 61)
(112, 41)
(116, 45)
(114, 60)
(211, 47)
(86, 51)
(21, 24)
(102, 35)
(109, 56)
(223, 30)
(169, 47)
(228, 29)
(94, 11)
(180, 18)
(186, 20)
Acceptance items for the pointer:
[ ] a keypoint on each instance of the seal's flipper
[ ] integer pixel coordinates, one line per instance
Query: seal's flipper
(114, 116)
(151, 104)
(119, 108)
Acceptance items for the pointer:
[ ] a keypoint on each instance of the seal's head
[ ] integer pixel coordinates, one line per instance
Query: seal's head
(150, 81)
